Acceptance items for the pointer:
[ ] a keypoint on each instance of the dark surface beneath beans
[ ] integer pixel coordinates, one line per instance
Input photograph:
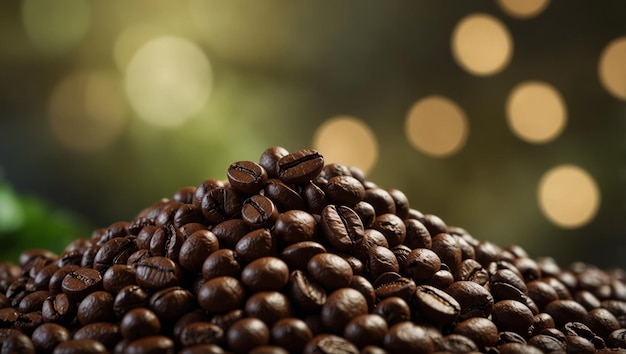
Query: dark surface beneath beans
(292, 255)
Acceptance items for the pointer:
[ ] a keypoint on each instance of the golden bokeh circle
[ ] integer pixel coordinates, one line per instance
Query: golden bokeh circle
(612, 68)
(523, 9)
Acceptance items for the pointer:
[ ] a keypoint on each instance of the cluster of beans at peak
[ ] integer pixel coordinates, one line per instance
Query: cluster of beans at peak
(292, 255)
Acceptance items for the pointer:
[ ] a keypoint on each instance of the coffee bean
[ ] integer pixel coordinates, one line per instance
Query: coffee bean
(221, 294)
(259, 211)
(392, 227)
(284, 197)
(47, 336)
(436, 305)
(393, 310)
(222, 262)
(547, 344)
(139, 322)
(247, 177)
(266, 273)
(455, 343)
(506, 285)
(542, 321)
(442, 279)
(171, 303)
(80, 346)
(114, 251)
(362, 285)
(399, 286)
(370, 239)
(269, 159)
(407, 337)
(96, 307)
(80, 282)
(295, 226)
(314, 197)
(33, 301)
(345, 190)
(196, 248)
(129, 297)
(58, 309)
(421, 264)
(166, 241)
(381, 260)
(448, 250)
(151, 345)
(246, 334)
(117, 277)
(483, 332)
(367, 329)
(201, 333)
(342, 227)
(471, 270)
(220, 204)
(514, 316)
(617, 339)
(563, 311)
(341, 306)
(255, 244)
(268, 306)
(291, 334)
(601, 321)
(475, 300)
(14, 341)
(187, 214)
(305, 292)
(203, 349)
(203, 188)
(106, 333)
(157, 273)
(328, 344)
(518, 348)
(330, 270)
(417, 235)
(299, 167)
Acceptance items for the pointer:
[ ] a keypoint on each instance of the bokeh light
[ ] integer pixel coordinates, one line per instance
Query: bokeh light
(568, 196)
(523, 9)
(481, 44)
(130, 40)
(437, 126)
(536, 112)
(168, 80)
(55, 26)
(87, 111)
(347, 140)
(612, 68)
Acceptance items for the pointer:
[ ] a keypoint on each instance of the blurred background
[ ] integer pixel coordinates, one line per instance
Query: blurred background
(504, 117)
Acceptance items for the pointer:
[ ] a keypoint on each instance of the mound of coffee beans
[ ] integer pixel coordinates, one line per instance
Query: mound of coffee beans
(292, 255)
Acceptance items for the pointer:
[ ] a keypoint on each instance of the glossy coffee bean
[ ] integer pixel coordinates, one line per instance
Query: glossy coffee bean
(201, 333)
(300, 166)
(475, 300)
(54, 285)
(266, 273)
(297, 255)
(115, 251)
(366, 329)
(392, 227)
(344, 190)
(187, 214)
(421, 264)
(171, 303)
(196, 248)
(247, 177)
(259, 211)
(305, 292)
(117, 277)
(220, 204)
(483, 332)
(268, 306)
(151, 345)
(448, 249)
(284, 197)
(128, 298)
(139, 322)
(330, 270)
(58, 309)
(80, 282)
(601, 321)
(291, 333)
(563, 311)
(80, 346)
(455, 343)
(329, 343)
(106, 333)
(221, 294)
(341, 306)
(514, 316)
(47, 336)
(342, 227)
(471, 270)
(96, 307)
(255, 244)
(33, 301)
(393, 310)
(407, 337)
(295, 226)
(157, 273)
(436, 305)
(203, 188)
(381, 260)
(222, 262)
(246, 334)
(548, 344)
(269, 159)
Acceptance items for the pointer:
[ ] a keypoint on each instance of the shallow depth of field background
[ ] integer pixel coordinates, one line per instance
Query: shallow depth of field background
(503, 117)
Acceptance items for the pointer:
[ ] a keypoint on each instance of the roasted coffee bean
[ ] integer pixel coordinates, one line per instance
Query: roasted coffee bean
(548, 344)
(269, 159)
(561, 289)
(330, 270)
(514, 316)
(201, 333)
(151, 345)
(80, 282)
(259, 211)
(475, 300)
(47, 336)
(407, 337)
(541, 293)
(268, 306)
(106, 333)
(448, 250)
(196, 248)
(33, 301)
(297, 255)
(381, 260)
(80, 346)
(139, 322)
(114, 251)
(483, 332)
(222, 262)
(295, 226)
(344, 190)
(421, 264)
(117, 277)
(366, 212)
(184, 195)
(587, 299)
(266, 273)
(393, 310)
(401, 287)
(255, 244)
(247, 177)
(618, 309)
(202, 349)
(601, 321)
(471, 270)
(221, 294)
(371, 238)
(220, 204)
(171, 303)
(417, 235)
(27, 322)
(96, 307)
(8, 317)
(167, 213)
(617, 339)
(342, 227)
(187, 214)
(190, 228)
(158, 273)
(203, 188)
(299, 167)
(14, 341)
(246, 334)
(341, 306)
(487, 252)
(392, 227)
(305, 292)
(89, 256)
(166, 241)
(54, 283)
(128, 298)
(442, 279)
(362, 285)
(284, 197)
(329, 343)
(58, 309)
(563, 311)
(137, 257)
(291, 334)
(314, 198)
(518, 348)
(367, 329)
(576, 344)
(506, 285)
(42, 280)
(436, 305)
(542, 321)
(455, 343)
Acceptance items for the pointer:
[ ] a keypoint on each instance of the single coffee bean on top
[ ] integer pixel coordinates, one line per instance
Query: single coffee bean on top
(291, 254)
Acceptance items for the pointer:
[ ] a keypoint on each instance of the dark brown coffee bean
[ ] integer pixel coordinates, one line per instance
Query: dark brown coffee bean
(362, 285)
(259, 211)
(221, 263)
(190, 228)
(96, 307)
(184, 195)
(104, 332)
(561, 289)
(297, 255)
(366, 212)
(201, 333)
(284, 197)
(475, 300)
(54, 285)
(392, 227)
(139, 322)
(115, 251)
(291, 333)
(518, 348)
(14, 341)
(157, 273)
(483, 332)
(138, 256)
(247, 177)
(8, 317)
(514, 316)
(33, 301)
(246, 334)
(436, 305)
(448, 250)
(455, 343)
(171, 303)
(117, 277)
(618, 309)
(167, 213)
(442, 279)
(255, 244)
(80, 346)
(166, 242)
(407, 337)
(151, 345)
(203, 188)
(266, 273)
(548, 344)
(328, 344)
(305, 292)
(421, 264)
(221, 294)
(399, 286)
(576, 344)
(203, 349)
(42, 280)
(381, 260)
(541, 293)
(300, 167)
(563, 311)
(542, 321)
(58, 309)
(47, 336)
(370, 239)
(587, 299)
(269, 159)
(506, 285)
(617, 339)
(196, 248)
(417, 235)
(144, 236)
(366, 329)
(342, 227)
(314, 198)
(330, 270)
(471, 270)
(80, 282)
(187, 214)
(341, 306)
(268, 306)
(129, 297)
(601, 321)
(220, 204)
(295, 226)
(393, 310)
(345, 190)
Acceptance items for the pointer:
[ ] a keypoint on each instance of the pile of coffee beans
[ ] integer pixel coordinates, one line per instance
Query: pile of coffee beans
(292, 255)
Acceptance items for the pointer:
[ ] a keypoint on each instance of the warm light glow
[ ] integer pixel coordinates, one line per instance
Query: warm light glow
(87, 112)
(612, 68)
(130, 40)
(168, 80)
(436, 126)
(348, 141)
(536, 112)
(481, 44)
(523, 9)
(55, 26)
(568, 196)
